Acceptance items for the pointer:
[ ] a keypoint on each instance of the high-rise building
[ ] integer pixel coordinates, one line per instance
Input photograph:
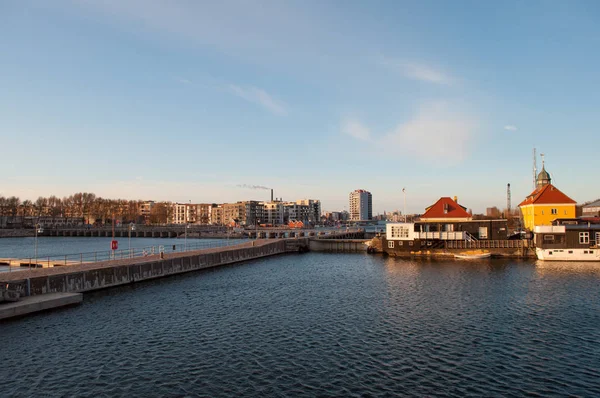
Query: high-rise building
(361, 205)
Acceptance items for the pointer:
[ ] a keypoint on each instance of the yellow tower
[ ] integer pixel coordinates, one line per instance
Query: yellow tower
(546, 203)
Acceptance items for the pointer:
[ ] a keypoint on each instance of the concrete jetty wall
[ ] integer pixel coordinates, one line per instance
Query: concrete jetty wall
(339, 245)
(89, 277)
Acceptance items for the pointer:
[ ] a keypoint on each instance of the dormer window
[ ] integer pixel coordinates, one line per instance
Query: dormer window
(446, 207)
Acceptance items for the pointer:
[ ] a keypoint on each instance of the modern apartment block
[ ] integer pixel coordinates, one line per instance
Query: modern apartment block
(361, 205)
(314, 209)
(216, 215)
(254, 212)
(183, 213)
(203, 211)
(273, 213)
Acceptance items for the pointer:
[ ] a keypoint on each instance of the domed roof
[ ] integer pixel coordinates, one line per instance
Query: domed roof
(543, 178)
(544, 175)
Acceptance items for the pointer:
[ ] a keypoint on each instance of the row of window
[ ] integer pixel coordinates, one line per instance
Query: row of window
(571, 251)
(400, 243)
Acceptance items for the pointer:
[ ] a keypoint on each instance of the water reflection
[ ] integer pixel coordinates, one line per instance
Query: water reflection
(554, 268)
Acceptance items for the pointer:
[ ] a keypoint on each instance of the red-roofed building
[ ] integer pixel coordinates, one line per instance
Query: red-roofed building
(546, 204)
(446, 209)
(446, 217)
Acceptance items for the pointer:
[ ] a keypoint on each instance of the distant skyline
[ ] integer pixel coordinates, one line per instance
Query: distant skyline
(179, 100)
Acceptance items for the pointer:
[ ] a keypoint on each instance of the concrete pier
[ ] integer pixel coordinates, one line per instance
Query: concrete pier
(28, 305)
(94, 276)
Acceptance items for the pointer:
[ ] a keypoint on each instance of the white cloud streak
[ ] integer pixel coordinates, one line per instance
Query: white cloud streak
(438, 131)
(260, 97)
(418, 71)
(510, 127)
(355, 129)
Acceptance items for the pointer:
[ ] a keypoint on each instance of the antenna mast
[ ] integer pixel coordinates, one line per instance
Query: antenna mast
(508, 200)
(534, 169)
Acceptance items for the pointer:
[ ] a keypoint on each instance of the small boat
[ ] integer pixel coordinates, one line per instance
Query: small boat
(472, 256)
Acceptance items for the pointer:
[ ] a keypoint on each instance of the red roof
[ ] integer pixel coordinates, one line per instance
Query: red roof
(548, 194)
(446, 208)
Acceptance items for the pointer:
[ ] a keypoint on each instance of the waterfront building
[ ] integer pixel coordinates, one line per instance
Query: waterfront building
(447, 216)
(361, 205)
(546, 203)
(591, 209)
(254, 213)
(295, 212)
(273, 213)
(314, 209)
(216, 215)
(145, 209)
(234, 212)
(446, 209)
(202, 212)
(183, 213)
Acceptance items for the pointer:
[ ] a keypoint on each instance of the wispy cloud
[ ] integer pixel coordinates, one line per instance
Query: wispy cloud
(510, 127)
(247, 186)
(183, 80)
(437, 131)
(418, 71)
(355, 129)
(260, 97)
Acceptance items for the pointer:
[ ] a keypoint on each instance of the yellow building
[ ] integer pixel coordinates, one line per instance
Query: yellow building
(546, 203)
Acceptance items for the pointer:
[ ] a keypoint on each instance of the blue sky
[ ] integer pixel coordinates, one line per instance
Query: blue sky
(188, 100)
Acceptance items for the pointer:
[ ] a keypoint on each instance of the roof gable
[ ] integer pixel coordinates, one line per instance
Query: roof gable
(548, 194)
(446, 208)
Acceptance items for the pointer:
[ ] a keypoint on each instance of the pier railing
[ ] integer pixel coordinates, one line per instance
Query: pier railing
(110, 255)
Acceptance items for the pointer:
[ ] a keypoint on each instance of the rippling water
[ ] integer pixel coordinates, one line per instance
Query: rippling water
(321, 325)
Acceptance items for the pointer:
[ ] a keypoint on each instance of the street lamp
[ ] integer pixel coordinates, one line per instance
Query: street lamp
(131, 228)
(35, 246)
(404, 193)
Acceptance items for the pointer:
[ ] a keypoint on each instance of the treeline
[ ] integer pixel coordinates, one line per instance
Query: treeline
(92, 208)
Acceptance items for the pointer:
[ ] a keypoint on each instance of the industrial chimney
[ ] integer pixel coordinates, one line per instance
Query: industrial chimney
(271, 195)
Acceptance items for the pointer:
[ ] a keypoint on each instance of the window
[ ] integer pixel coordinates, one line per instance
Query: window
(548, 238)
(570, 251)
(399, 232)
(584, 238)
(483, 233)
(542, 212)
(400, 243)
(391, 244)
(554, 211)
(410, 243)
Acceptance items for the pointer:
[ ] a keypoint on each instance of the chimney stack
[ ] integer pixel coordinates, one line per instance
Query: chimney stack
(456, 199)
(271, 195)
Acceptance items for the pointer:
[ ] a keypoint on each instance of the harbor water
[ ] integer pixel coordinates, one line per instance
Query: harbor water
(321, 325)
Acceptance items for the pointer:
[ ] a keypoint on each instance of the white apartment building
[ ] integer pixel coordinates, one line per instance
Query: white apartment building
(361, 205)
(183, 213)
